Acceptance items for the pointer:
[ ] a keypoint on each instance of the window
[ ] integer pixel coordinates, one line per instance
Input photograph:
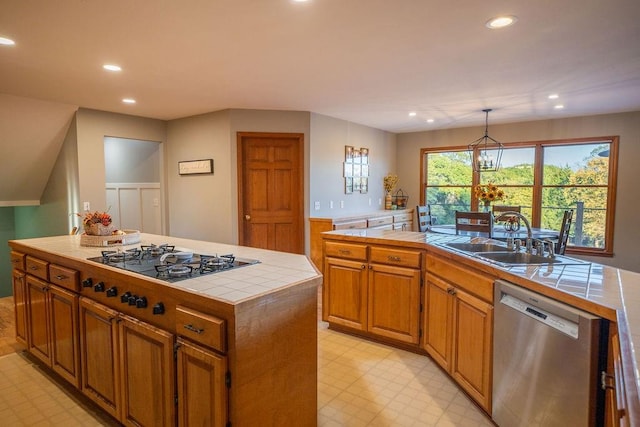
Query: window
(544, 178)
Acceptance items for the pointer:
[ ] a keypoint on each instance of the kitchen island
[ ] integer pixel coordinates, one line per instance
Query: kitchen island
(236, 346)
(447, 312)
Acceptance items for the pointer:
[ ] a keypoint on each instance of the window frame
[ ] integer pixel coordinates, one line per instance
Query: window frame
(538, 186)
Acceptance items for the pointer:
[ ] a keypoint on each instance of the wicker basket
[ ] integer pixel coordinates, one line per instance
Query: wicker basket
(128, 238)
(400, 199)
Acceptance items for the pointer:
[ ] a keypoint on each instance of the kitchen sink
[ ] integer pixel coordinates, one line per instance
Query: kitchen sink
(519, 258)
(477, 247)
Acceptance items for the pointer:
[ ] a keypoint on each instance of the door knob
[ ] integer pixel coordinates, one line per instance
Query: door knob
(247, 217)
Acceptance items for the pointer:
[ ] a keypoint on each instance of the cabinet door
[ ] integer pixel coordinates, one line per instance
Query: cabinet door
(99, 350)
(202, 392)
(20, 305)
(63, 321)
(438, 318)
(148, 374)
(394, 302)
(345, 293)
(472, 347)
(37, 320)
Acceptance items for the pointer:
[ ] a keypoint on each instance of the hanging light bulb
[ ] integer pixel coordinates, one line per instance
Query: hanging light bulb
(485, 152)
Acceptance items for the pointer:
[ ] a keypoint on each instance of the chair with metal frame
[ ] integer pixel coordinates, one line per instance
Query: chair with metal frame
(424, 218)
(479, 222)
(563, 237)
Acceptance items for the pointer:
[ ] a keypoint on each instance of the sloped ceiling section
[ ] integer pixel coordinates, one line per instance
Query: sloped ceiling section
(31, 135)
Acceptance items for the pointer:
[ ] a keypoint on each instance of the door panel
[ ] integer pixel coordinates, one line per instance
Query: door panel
(438, 319)
(37, 323)
(270, 191)
(65, 358)
(146, 355)
(345, 300)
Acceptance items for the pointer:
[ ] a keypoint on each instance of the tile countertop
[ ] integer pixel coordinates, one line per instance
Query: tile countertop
(276, 270)
(605, 291)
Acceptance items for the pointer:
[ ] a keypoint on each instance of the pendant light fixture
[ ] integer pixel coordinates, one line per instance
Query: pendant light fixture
(485, 152)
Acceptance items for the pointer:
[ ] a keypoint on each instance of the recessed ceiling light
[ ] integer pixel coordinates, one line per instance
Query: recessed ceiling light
(430, 120)
(129, 101)
(559, 107)
(299, 1)
(554, 96)
(501, 22)
(112, 67)
(412, 114)
(6, 42)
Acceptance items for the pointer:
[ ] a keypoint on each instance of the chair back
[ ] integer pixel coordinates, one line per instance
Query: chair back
(563, 237)
(480, 222)
(424, 217)
(498, 209)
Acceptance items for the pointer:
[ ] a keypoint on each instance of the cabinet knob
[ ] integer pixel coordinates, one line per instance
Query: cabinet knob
(247, 217)
(158, 308)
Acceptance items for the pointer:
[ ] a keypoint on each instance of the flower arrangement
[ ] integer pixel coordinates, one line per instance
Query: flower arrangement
(97, 223)
(390, 181)
(488, 193)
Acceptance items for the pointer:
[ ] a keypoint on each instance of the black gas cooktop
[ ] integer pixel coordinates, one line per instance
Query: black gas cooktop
(166, 263)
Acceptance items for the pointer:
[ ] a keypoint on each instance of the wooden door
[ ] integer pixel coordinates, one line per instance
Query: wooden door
(148, 374)
(20, 305)
(100, 358)
(63, 320)
(202, 392)
(438, 319)
(345, 293)
(38, 319)
(394, 302)
(271, 191)
(472, 347)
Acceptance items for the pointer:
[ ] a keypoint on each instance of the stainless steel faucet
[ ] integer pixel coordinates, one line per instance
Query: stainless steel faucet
(505, 215)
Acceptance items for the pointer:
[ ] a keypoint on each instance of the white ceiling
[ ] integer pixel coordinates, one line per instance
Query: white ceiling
(366, 61)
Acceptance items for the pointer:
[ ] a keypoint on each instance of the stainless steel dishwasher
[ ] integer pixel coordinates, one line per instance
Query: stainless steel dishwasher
(545, 361)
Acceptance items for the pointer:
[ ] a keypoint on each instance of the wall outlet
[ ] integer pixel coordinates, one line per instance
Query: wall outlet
(156, 202)
(86, 206)
(316, 206)
(369, 201)
(379, 202)
(341, 204)
(331, 204)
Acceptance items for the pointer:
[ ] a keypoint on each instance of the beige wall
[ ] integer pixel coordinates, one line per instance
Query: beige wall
(92, 127)
(329, 136)
(626, 125)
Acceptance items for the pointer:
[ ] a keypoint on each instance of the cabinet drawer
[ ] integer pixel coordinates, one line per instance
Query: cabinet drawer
(464, 278)
(37, 267)
(202, 328)
(346, 225)
(402, 217)
(17, 260)
(345, 250)
(383, 220)
(65, 277)
(390, 256)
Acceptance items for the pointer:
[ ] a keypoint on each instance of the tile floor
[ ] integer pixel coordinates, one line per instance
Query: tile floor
(360, 383)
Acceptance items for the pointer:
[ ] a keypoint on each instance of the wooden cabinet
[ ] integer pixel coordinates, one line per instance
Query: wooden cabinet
(202, 391)
(381, 220)
(52, 320)
(458, 326)
(373, 289)
(128, 366)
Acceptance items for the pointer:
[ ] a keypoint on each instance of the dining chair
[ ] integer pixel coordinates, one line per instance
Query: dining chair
(480, 222)
(563, 236)
(498, 209)
(424, 217)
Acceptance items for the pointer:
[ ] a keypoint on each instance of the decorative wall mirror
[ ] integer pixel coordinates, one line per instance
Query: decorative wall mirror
(356, 170)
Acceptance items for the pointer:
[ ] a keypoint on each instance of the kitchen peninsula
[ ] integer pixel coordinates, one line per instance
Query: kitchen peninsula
(237, 346)
(413, 291)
